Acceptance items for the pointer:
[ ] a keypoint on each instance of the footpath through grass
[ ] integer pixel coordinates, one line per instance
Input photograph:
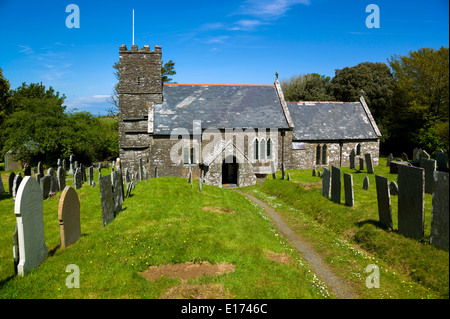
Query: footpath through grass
(163, 222)
(352, 239)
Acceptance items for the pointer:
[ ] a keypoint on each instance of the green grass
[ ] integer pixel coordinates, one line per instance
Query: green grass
(162, 223)
(351, 237)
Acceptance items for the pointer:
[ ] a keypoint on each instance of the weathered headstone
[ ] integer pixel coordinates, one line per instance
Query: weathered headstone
(129, 188)
(78, 179)
(38, 178)
(393, 188)
(326, 183)
(384, 201)
(16, 183)
(283, 172)
(136, 178)
(366, 183)
(416, 153)
(389, 159)
(11, 182)
(40, 169)
(314, 172)
(71, 169)
(146, 175)
(156, 171)
(404, 157)
(369, 163)
(348, 189)
(28, 209)
(440, 211)
(106, 199)
(117, 191)
(273, 170)
(61, 175)
(26, 169)
(289, 176)
(441, 161)
(411, 196)
(361, 164)
(83, 173)
(335, 184)
(2, 188)
(429, 166)
(69, 217)
(45, 184)
(64, 164)
(352, 157)
(141, 171)
(91, 176)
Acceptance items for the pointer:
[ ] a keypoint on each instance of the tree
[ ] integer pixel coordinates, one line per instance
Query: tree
(420, 113)
(5, 103)
(167, 69)
(309, 87)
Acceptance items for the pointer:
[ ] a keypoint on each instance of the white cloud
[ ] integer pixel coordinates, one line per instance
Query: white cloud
(269, 9)
(25, 49)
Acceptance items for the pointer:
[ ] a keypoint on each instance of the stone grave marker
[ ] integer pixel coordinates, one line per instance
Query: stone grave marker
(16, 183)
(38, 178)
(61, 175)
(26, 170)
(393, 188)
(405, 157)
(429, 166)
(78, 179)
(369, 163)
(389, 159)
(440, 211)
(384, 201)
(71, 170)
(45, 184)
(156, 171)
(117, 191)
(289, 176)
(91, 176)
(335, 184)
(28, 209)
(2, 188)
(141, 171)
(282, 171)
(326, 183)
(366, 183)
(441, 161)
(106, 199)
(361, 164)
(411, 196)
(11, 182)
(136, 178)
(69, 217)
(348, 189)
(352, 158)
(416, 152)
(314, 172)
(129, 188)
(424, 154)
(15, 238)
(40, 169)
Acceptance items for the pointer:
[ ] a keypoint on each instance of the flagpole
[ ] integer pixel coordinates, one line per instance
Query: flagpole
(133, 26)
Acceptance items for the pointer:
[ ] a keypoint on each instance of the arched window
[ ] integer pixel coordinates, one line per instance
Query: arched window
(269, 149)
(262, 144)
(358, 149)
(324, 155)
(318, 155)
(256, 149)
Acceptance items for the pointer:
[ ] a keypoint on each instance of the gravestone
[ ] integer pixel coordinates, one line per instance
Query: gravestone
(384, 201)
(314, 172)
(83, 173)
(40, 169)
(75, 165)
(146, 174)
(423, 154)
(440, 211)
(53, 181)
(106, 199)
(16, 183)
(141, 171)
(129, 188)
(156, 171)
(289, 176)
(91, 176)
(117, 191)
(26, 170)
(411, 196)
(273, 170)
(45, 184)
(441, 161)
(393, 188)
(361, 164)
(429, 166)
(416, 152)
(200, 184)
(369, 163)
(61, 175)
(28, 209)
(319, 174)
(11, 182)
(282, 171)
(352, 157)
(69, 217)
(136, 178)
(389, 159)
(71, 170)
(38, 178)
(335, 184)
(15, 238)
(2, 188)
(78, 179)
(366, 183)
(326, 183)
(405, 157)
(348, 189)
(58, 163)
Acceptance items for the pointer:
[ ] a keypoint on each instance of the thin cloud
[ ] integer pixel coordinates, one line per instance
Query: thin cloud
(25, 49)
(269, 9)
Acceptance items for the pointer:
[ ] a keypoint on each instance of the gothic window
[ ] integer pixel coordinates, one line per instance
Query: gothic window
(358, 149)
(269, 149)
(318, 155)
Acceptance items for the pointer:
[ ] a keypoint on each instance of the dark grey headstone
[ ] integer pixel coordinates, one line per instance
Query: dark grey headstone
(314, 172)
(117, 191)
(416, 152)
(429, 166)
(61, 176)
(45, 183)
(441, 160)
(91, 175)
(369, 163)
(361, 164)
(366, 183)
(129, 188)
(106, 199)
(141, 171)
(335, 184)
(27, 170)
(348, 189)
(283, 172)
(393, 188)
(2, 188)
(11, 182)
(440, 211)
(411, 196)
(352, 158)
(17, 180)
(389, 160)
(405, 157)
(78, 179)
(40, 169)
(289, 176)
(156, 171)
(384, 201)
(38, 178)
(326, 183)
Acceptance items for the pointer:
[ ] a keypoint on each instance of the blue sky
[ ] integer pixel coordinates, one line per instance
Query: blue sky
(234, 41)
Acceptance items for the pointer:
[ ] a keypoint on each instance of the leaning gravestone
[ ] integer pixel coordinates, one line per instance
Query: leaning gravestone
(348, 189)
(69, 217)
(11, 182)
(45, 184)
(439, 212)
(405, 157)
(2, 188)
(129, 188)
(117, 191)
(106, 199)
(393, 188)
(429, 166)
(28, 209)
(441, 160)
(326, 182)
(17, 180)
(366, 183)
(335, 184)
(384, 201)
(352, 159)
(61, 176)
(411, 196)
(369, 163)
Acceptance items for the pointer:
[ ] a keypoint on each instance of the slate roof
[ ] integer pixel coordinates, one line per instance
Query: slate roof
(218, 106)
(330, 121)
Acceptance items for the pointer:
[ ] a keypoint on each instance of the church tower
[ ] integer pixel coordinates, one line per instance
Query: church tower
(140, 87)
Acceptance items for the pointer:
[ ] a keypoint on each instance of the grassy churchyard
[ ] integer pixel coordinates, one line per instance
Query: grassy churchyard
(166, 228)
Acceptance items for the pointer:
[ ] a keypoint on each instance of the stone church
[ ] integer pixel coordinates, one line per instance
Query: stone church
(230, 133)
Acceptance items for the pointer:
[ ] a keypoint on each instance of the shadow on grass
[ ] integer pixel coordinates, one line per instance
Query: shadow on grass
(375, 223)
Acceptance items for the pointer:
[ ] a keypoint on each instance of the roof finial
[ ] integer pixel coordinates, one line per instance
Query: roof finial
(276, 74)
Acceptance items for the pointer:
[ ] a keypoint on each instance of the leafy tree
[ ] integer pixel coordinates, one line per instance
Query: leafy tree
(168, 69)
(307, 87)
(5, 103)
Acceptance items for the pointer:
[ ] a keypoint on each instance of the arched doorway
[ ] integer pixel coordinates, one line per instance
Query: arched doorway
(230, 169)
